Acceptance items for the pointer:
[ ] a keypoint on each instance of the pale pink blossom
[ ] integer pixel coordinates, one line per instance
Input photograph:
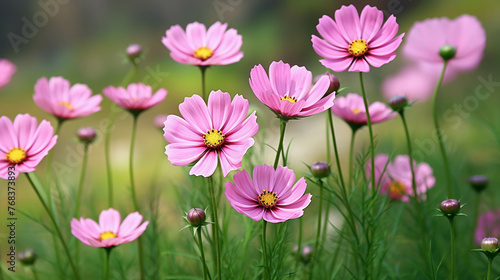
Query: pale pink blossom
(271, 195)
(136, 97)
(7, 70)
(488, 225)
(351, 109)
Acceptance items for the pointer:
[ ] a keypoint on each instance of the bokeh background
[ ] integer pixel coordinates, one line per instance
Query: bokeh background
(84, 41)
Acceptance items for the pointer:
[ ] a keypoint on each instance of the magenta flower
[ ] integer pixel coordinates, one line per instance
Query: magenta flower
(271, 195)
(23, 144)
(110, 231)
(210, 133)
(64, 101)
(465, 34)
(7, 70)
(488, 225)
(287, 91)
(136, 97)
(356, 42)
(197, 46)
(396, 179)
(352, 110)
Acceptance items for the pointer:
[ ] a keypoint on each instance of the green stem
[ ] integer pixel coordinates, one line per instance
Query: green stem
(351, 155)
(439, 134)
(490, 261)
(33, 270)
(82, 179)
(452, 243)
(132, 187)
(203, 82)
(106, 262)
(50, 156)
(328, 156)
(264, 250)
(32, 180)
(280, 144)
(334, 141)
(475, 217)
(318, 230)
(370, 131)
(216, 225)
(202, 254)
(299, 244)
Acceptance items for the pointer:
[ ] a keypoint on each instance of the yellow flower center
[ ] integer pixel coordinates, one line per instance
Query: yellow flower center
(16, 155)
(214, 138)
(289, 98)
(66, 104)
(268, 199)
(356, 111)
(203, 53)
(397, 190)
(358, 47)
(107, 235)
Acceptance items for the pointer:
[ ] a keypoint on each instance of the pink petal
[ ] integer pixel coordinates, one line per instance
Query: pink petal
(359, 65)
(206, 165)
(337, 65)
(109, 220)
(347, 20)
(279, 76)
(329, 30)
(195, 112)
(371, 22)
(184, 153)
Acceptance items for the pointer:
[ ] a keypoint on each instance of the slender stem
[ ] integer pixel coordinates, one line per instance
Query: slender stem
(264, 250)
(280, 144)
(50, 156)
(334, 141)
(452, 243)
(33, 270)
(200, 246)
(475, 217)
(490, 261)
(351, 155)
(328, 156)
(439, 134)
(299, 243)
(203, 82)
(106, 262)
(318, 230)
(82, 179)
(132, 188)
(54, 223)
(216, 225)
(107, 135)
(370, 131)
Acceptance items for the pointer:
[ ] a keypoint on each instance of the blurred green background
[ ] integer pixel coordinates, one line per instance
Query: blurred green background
(84, 41)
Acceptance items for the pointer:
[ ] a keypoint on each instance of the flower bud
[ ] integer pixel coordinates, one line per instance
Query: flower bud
(320, 169)
(398, 103)
(86, 135)
(447, 52)
(27, 257)
(334, 82)
(134, 51)
(489, 244)
(196, 217)
(159, 121)
(479, 182)
(305, 254)
(450, 207)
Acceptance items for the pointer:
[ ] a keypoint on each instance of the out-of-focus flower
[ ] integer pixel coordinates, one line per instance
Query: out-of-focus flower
(287, 91)
(27, 257)
(133, 52)
(410, 82)
(86, 135)
(488, 225)
(351, 109)
(159, 121)
(465, 34)
(110, 231)
(479, 182)
(24, 143)
(356, 42)
(136, 97)
(305, 254)
(7, 70)
(64, 101)
(271, 195)
(202, 47)
(396, 180)
(208, 134)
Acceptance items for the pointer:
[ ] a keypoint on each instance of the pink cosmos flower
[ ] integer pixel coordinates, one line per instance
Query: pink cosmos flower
(351, 109)
(396, 180)
(488, 225)
(159, 121)
(7, 70)
(197, 46)
(136, 97)
(210, 133)
(287, 91)
(464, 33)
(271, 195)
(64, 101)
(410, 82)
(356, 42)
(24, 143)
(110, 231)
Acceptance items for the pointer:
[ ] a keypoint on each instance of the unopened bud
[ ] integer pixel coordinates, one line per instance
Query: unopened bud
(320, 169)
(447, 52)
(479, 182)
(196, 217)
(27, 257)
(489, 244)
(86, 135)
(398, 103)
(134, 51)
(450, 207)
(334, 82)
